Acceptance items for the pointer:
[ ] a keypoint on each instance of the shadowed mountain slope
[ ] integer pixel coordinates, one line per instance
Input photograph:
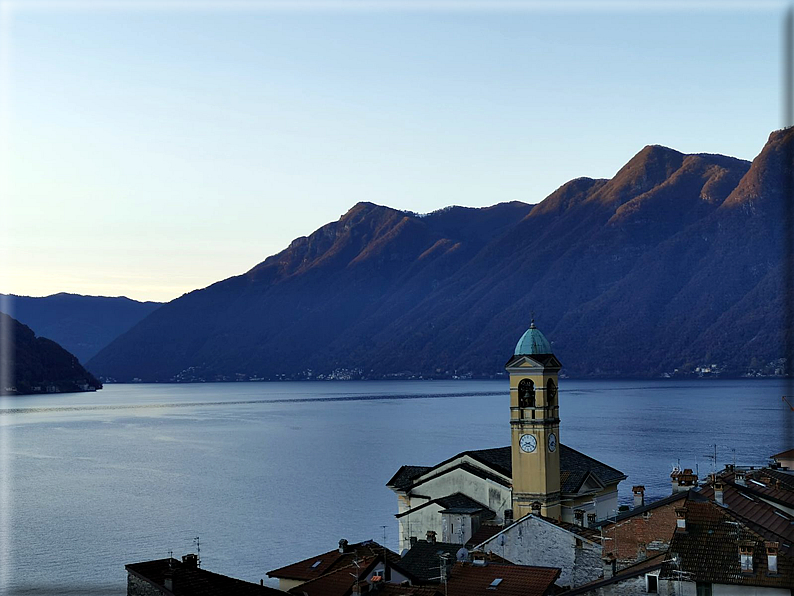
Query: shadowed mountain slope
(40, 365)
(83, 325)
(672, 263)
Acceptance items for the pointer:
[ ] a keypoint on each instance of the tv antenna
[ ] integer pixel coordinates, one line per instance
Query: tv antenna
(197, 542)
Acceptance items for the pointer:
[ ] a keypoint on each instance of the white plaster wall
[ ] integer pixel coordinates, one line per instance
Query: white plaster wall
(728, 590)
(492, 494)
(606, 505)
(419, 523)
(535, 542)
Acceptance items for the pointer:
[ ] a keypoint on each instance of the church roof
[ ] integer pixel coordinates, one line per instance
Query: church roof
(532, 342)
(455, 503)
(574, 467)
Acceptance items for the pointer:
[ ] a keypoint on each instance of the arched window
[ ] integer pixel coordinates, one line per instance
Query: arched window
(551, 393)
(526, 393)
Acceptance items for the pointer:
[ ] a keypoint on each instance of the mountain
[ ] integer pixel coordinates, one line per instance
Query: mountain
(81, 324)
(674, 263)
(40, 365)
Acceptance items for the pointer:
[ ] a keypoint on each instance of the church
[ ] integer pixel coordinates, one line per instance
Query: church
(536, 474)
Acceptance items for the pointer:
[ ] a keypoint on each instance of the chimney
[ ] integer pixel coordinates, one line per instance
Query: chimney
(610, 564)
(508, 517)
(190, 560)
(683, 480)
(639, 495)
(719, 487)
(746, 555)
(591, 520)
(771, 557)
(680, 519)
(578, 516)
(431, 536)
(168, 579)
(536, 507)
(739, 478)
(413, 541)
(343, 546)
(478, 558)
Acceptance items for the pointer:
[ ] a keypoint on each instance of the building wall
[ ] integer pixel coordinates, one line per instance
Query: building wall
(419, 523)
(492, 494)
(139, 587)
(640, 536)
(726, 590)
(634, 586)
(532, 541)
(287, 584)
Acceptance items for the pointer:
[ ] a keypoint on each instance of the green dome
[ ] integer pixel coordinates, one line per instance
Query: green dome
(532, 342)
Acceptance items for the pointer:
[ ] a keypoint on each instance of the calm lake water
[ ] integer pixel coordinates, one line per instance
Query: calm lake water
(270, 473)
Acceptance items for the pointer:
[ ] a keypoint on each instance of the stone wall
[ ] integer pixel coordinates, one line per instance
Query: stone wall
(640, 536)
(533, 541)
(139, 587)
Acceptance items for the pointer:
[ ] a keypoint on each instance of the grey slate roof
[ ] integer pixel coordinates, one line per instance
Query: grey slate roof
(574, 468)
(423, 560)
(455, 503)
(405, 475)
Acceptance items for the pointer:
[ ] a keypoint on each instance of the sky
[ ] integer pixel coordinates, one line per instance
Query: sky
(149, 149)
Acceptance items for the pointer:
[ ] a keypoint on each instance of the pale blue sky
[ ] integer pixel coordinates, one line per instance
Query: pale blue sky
(158, 150)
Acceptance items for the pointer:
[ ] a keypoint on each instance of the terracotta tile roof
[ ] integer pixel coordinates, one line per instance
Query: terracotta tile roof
(467, 579)
(194, 581)
(647, 507)
(338, 582)
(574, 468)
(319, 565)
(762, 482)
(763, 518)
(708, 551)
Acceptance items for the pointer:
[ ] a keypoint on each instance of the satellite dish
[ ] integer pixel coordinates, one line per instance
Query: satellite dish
(462, 554)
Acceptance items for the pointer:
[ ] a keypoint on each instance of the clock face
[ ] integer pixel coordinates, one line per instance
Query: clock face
(552, 442)
(528, 443)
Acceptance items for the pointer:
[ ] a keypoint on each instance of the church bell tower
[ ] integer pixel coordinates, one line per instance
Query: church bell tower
(535, 426)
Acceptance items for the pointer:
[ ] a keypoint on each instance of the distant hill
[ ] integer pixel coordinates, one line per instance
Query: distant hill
(40, 365)
(83, 325)
(674, 263)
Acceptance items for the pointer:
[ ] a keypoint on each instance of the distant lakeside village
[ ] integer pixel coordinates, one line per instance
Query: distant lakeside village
(537, 518)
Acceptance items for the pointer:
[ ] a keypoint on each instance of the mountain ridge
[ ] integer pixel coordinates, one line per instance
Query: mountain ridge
(627, 275)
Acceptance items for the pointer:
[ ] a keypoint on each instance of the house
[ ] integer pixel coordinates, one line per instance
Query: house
(458, 496)
(470, 579)
(171, 577)
(317, 566)
(539, 540)
(785, 459)
(642, 532)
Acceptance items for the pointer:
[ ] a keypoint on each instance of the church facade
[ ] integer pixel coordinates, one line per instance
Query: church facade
(535, 475)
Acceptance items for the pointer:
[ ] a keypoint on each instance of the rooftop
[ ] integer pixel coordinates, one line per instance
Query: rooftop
(189, 580)
(319, 565)
(468, 579)
(532, 342)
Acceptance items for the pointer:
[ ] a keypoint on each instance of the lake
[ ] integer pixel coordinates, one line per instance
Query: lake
(266, 474)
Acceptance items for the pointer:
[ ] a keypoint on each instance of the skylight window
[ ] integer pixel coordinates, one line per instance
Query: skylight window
(316, 563)
(495, 583)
